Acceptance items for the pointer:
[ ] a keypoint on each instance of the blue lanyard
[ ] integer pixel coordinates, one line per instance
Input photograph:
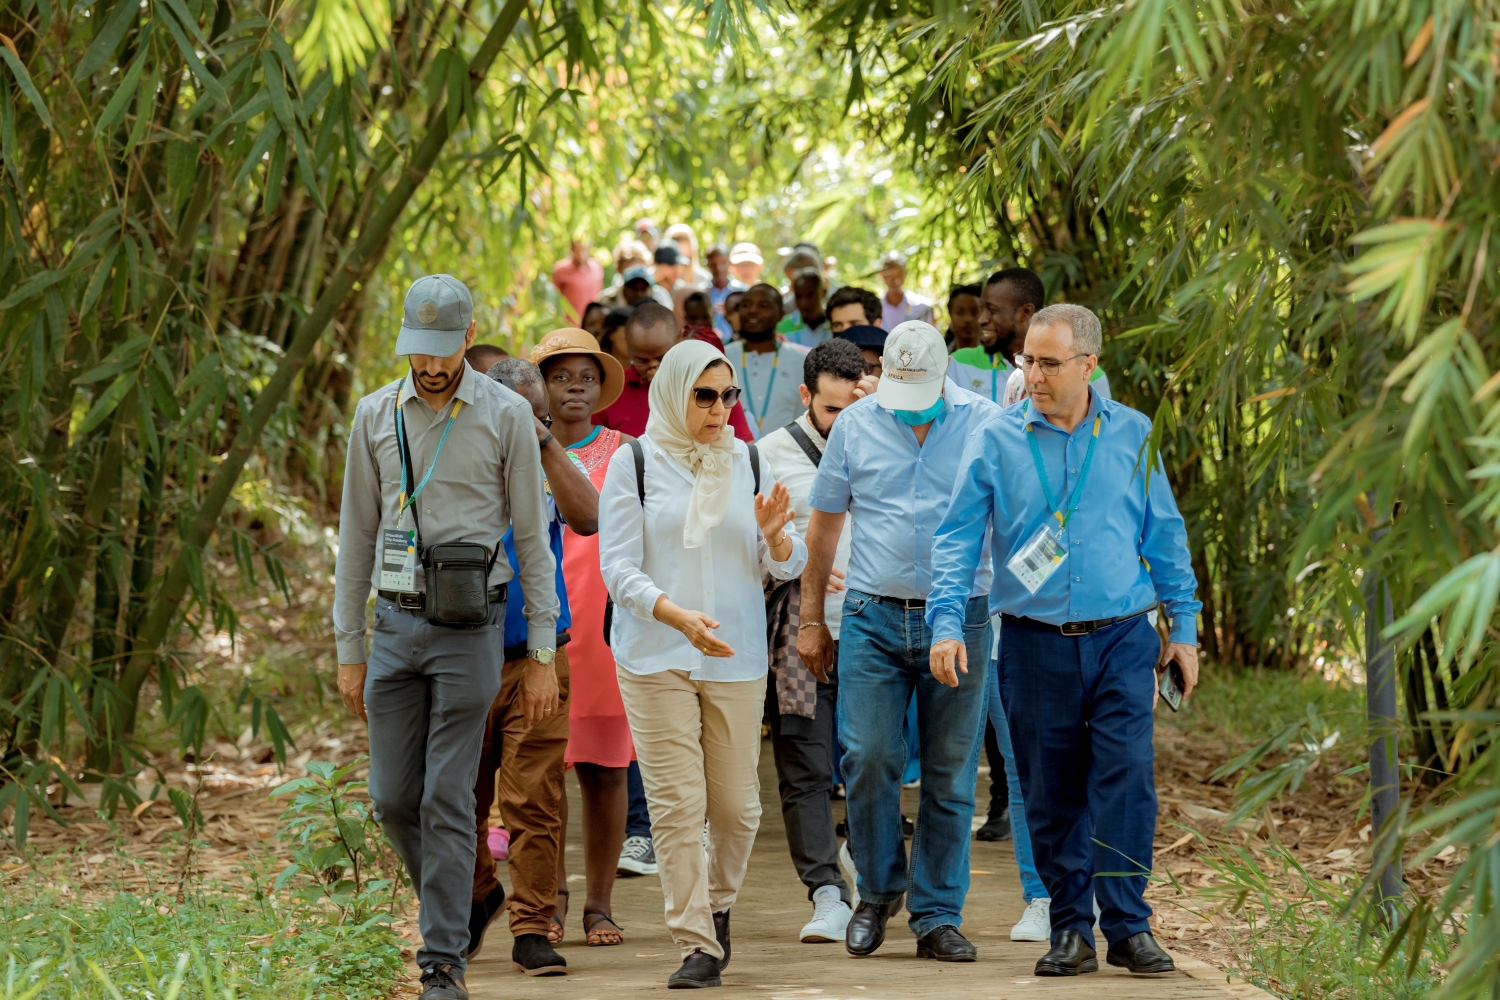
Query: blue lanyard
(1088, 461)
(406, 501)
(588, 440)
(765, 403)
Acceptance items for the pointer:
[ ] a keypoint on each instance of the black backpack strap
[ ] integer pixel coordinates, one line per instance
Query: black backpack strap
(805, 443)
(640, 469)
(754, 466)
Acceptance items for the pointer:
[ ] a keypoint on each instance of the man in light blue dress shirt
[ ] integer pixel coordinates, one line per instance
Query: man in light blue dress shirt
(1086, 540)
(891, 463)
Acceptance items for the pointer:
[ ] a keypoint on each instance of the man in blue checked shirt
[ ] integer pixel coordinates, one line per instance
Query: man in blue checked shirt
(1085, 544)
(891, 464)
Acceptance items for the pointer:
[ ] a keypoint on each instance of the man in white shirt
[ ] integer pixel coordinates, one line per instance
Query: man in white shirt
(767, 369)
(897, 304)
(801, 707)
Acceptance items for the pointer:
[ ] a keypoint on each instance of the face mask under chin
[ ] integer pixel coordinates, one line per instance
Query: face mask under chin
(917, 418)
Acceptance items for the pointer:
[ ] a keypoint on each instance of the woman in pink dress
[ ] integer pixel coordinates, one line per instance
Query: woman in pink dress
(581, 380)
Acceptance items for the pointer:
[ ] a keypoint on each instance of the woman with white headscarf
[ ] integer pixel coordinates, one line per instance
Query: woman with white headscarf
(681, 550)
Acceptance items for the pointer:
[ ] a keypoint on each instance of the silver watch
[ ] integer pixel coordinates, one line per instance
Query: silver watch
(544, 655)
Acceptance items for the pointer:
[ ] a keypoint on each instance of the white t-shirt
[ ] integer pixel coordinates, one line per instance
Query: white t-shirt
(794, 470)
(768, 384)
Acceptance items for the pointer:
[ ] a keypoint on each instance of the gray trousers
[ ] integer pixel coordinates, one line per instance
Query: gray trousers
(428, 692)
(804, 750)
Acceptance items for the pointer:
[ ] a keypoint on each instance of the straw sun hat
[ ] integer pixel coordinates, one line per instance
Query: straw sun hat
(571, 340)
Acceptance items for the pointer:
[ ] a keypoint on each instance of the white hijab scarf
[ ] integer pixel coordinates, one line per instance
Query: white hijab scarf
(712, 464)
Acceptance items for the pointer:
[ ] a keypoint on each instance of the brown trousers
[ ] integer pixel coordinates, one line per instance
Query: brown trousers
(530, 765)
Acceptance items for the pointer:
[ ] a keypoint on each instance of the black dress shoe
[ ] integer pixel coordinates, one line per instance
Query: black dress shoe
(946, 945)
(1070, 956)
(721, 935)
(698, 970)
(1141, 955)
(481, 915)
(866, 930)
(534, 955)
(997, 827)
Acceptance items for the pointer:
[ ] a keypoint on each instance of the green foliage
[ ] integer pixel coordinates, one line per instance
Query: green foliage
(339, 853)
(223, 940)
(1311, 939)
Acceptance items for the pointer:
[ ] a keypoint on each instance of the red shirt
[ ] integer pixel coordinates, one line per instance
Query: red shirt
(628, 413)
(579, 285)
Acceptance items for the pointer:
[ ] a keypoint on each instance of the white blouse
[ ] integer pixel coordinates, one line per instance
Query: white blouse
(641, 557)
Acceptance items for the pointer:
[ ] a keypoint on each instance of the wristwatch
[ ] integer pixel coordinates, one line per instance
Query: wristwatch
(544, 656)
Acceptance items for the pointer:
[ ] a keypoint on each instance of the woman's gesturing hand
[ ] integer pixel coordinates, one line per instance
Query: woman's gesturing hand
(697, 626)
(772, 514)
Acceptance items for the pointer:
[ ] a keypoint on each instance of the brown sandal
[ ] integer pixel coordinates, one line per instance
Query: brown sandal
(599, 936)
(556, 930)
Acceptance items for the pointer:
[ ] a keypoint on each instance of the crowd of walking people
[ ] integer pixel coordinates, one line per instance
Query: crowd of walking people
(720, 507)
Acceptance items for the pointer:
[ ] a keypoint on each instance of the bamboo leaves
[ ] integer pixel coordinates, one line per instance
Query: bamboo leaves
(18, 72)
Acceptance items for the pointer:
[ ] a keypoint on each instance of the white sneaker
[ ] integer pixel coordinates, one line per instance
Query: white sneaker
(830, 917)
(637, 857)
(851, 875)
(1036, 923)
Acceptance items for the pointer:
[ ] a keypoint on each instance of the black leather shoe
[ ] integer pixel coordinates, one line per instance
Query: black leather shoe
(443, 982)
(997, 827)
(1141, 955)
(481, 915)
(866, 930)
(698, 970)
(1070, 956)
(534, 955)
(946, 945)
(721, 934)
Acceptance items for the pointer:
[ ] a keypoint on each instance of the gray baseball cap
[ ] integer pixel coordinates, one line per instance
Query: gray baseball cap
(437, 317)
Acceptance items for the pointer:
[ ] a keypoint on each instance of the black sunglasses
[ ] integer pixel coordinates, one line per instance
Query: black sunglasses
(706, 397)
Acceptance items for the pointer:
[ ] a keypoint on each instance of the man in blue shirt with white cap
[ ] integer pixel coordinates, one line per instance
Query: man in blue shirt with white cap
(891, 463)
(440, 465)
(1087, 540)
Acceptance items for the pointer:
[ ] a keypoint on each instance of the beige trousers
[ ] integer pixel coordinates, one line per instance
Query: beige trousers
(698, 743)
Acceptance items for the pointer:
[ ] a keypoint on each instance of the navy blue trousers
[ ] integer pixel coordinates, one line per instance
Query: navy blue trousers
(1079, 709)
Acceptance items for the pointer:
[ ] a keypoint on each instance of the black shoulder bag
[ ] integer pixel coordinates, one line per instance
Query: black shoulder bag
(457, 574)
(639, 455)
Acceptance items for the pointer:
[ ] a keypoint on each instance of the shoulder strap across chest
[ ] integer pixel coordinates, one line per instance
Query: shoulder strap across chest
(638, 453)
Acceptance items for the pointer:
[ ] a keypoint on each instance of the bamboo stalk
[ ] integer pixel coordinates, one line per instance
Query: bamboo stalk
(354, 269)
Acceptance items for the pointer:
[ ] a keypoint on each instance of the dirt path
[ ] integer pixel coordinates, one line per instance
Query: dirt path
(770, 964)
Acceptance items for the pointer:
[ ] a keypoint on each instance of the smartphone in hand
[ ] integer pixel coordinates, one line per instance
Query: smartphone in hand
(1172, 684)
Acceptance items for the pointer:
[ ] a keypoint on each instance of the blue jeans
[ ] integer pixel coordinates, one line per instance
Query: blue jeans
(883, 659)
(637, 814)
(1080, 721)
(1031, 882)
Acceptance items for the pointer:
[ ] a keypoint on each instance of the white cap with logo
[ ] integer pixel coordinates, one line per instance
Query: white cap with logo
(913, 367)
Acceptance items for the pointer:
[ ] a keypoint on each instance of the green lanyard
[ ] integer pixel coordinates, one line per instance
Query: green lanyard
(407, 501)
(765, 404)
(1088, 461)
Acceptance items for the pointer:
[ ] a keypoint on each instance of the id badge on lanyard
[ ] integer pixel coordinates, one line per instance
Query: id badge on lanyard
(1038, 559)
(398, 560)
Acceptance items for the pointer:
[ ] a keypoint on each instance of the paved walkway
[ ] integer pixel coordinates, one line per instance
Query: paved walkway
(770, 964)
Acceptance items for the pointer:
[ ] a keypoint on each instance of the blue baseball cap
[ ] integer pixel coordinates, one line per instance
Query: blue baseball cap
(636, 274)
(436, 318)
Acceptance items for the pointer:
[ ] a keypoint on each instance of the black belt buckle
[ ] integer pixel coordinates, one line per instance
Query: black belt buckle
(411, 602)
(1075, 628)
(914, 603)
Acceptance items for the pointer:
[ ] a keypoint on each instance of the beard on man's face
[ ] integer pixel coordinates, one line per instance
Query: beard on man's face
(747, 332)
(438, 382)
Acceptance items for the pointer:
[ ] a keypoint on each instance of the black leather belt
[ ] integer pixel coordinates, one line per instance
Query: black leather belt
(909, 603)
(1069, 628)
(418, 602)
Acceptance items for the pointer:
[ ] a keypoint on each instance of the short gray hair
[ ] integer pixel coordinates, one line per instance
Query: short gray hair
(1088, 336)
(516, 371)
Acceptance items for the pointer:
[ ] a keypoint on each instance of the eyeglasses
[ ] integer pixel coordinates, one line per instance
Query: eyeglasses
(1050, 366)
(563, 378)
(706, 397)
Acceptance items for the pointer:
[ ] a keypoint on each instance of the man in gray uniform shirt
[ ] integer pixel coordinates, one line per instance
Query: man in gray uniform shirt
(471, 469)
